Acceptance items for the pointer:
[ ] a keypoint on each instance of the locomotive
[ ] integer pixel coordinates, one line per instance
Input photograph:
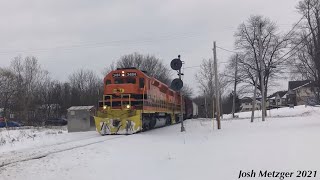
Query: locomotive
(133, 101)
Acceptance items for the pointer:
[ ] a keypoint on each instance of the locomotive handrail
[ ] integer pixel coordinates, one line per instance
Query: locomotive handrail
(122, 95)
(103, 100)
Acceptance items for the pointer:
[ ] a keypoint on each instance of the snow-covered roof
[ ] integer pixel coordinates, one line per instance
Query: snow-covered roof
(74, 108)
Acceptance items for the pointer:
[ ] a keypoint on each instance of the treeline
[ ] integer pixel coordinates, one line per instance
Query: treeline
(29, 94)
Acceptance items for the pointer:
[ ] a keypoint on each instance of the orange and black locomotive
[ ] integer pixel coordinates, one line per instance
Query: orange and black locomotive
(133, 101)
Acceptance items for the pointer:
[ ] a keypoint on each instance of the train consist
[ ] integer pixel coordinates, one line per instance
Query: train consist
(133, 102)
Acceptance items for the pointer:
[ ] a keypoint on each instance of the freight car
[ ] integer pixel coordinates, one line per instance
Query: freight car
(133, 101)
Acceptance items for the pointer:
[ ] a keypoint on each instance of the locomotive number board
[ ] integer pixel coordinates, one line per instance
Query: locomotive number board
(116, 75)
(130, 74)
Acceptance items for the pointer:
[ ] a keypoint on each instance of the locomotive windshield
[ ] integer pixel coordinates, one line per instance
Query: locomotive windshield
(118, 81)
(122, 81)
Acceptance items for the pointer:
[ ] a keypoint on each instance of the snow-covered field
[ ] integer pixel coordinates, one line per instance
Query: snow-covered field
(287, 141)
(25, 137)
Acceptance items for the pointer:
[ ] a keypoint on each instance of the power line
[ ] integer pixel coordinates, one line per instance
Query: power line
(192, 67)
(295, 48)
(227, 50)
(103, 44)
(293, 27)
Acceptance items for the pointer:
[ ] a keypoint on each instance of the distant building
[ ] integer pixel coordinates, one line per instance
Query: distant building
(277, 99)
(80, 118)
(246, 104)
(301, 92)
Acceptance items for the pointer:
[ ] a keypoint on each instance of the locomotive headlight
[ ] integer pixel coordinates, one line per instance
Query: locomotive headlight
(128, 106)
(104, 107)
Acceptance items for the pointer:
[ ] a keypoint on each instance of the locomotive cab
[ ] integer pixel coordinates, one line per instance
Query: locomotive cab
(124, 89)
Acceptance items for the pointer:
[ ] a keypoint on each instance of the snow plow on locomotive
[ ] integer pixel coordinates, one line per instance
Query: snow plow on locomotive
(133, 102)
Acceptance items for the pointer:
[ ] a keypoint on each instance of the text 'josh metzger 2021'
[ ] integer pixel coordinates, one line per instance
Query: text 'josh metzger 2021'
(277, 174)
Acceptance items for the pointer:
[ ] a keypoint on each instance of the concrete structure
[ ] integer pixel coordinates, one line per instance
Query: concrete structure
(246, 104)
(80, 118)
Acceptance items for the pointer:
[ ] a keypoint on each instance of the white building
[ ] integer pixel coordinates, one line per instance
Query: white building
(246, 104)
(277, 99)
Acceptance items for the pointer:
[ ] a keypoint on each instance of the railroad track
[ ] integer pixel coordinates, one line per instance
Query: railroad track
(38, 153)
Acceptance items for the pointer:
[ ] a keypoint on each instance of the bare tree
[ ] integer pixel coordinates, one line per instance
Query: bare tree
(152, 65)
(206, 82)
(305, 61)
(86, 87)
(273, 46)
(8, 88)
(28, 77)
(187, 91)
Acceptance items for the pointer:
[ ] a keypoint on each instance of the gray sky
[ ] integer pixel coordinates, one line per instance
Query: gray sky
(69, 35)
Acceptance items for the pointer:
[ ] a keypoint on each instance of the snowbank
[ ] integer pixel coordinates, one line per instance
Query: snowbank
(287, 141)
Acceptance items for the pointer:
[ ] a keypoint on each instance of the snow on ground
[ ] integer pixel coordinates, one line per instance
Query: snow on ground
(34, 137)
(281, 112)
(18, 138)
(287, 141)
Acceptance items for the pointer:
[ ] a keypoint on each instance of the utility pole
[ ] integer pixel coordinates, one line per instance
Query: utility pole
(261, 73)
(254, 96)
(205, 103)
(235, 88)
(216, 84)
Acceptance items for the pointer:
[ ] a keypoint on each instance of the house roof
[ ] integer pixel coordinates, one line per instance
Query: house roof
(74, 108)
(281, 94)
(246, 99)
(298, 84)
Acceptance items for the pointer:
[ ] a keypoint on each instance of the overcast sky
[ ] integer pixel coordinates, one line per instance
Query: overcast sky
(69, 35)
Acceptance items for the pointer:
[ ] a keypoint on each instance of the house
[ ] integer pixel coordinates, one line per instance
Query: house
(277, 99)
(301, 92)
(246, 104)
